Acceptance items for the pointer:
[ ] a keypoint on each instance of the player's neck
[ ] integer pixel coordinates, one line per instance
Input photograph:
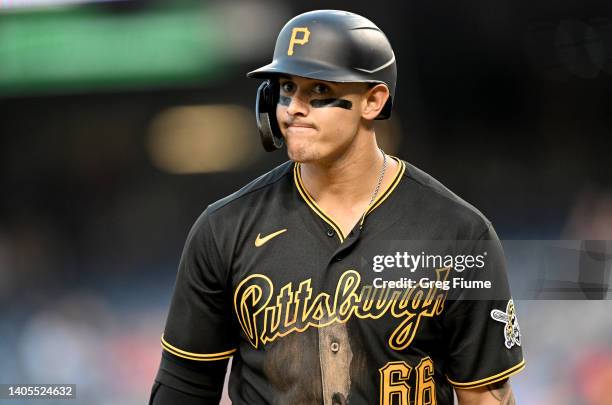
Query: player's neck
(351, 178)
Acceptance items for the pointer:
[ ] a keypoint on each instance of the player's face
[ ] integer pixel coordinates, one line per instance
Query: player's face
(319, 120)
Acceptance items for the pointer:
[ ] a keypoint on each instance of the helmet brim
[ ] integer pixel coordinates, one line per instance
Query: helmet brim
(309, 70)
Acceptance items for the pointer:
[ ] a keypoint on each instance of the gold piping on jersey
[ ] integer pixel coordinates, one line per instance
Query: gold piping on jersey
(195, 356)
(381, 198)
(312, 203)
(490, 380)
(297, 175)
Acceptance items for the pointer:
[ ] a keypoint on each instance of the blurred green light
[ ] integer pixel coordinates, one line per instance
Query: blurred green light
(82, 49)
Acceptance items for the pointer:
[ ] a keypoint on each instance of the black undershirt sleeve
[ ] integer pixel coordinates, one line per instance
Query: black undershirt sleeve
(182, 381)
(164, 395)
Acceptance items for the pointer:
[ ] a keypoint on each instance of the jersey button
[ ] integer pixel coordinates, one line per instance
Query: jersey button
(330, 233)
(335, 346)
(338, 258)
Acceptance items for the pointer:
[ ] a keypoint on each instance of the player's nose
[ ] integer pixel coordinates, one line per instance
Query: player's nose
(298, 105)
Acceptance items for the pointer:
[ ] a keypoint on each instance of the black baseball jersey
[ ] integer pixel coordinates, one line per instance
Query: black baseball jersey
(312, 316)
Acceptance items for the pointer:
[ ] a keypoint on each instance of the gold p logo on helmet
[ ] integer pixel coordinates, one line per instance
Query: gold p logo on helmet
(299, 41)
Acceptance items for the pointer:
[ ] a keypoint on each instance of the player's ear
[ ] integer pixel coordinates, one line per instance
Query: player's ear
(374, 100)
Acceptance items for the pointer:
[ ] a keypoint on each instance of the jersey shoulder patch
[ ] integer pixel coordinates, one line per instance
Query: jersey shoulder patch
(512, 331)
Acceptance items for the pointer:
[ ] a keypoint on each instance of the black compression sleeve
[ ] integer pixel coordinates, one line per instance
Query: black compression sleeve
(164, 395)
(179, 381)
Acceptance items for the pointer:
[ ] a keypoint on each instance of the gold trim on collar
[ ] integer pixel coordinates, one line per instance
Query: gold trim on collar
(312, 203)
(382, 197)
(297, 176)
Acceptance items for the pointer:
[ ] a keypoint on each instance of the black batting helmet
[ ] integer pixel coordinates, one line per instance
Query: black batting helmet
(330, 45)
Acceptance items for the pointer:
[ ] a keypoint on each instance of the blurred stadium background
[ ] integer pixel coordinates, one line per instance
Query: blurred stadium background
(120, 121)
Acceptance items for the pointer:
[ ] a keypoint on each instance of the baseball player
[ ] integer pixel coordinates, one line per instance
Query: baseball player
(311, 276)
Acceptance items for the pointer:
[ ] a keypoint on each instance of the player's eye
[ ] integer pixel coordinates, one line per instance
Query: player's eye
(320, 89)
(287, 87)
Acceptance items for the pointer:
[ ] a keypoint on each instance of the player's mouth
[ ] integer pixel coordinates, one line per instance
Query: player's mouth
(298, 127)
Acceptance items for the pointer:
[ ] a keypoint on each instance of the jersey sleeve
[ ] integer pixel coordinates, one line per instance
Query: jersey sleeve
(199, 325)
(480, 324)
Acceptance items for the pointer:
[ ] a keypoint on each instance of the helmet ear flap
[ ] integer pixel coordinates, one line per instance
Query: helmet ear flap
(265, 113)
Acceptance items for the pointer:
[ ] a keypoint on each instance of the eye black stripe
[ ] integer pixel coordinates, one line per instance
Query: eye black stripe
(320, 103)
(332, 102)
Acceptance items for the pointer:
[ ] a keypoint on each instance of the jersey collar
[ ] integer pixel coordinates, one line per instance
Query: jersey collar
(297, 176)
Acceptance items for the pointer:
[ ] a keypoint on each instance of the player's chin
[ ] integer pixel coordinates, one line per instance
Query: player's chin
(298, 155)
(301, 152)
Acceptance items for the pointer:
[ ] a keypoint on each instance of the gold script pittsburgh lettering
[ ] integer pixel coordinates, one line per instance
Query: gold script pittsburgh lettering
(265, 317)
